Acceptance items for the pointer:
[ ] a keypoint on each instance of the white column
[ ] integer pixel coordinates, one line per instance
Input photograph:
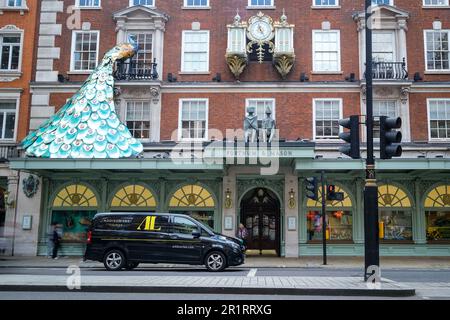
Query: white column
(26, 241)
(291, 236)
(229, 183)
(159, 50)
(401, 47)
(10, 207)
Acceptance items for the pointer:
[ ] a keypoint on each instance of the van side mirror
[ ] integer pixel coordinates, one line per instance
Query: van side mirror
(196, 234)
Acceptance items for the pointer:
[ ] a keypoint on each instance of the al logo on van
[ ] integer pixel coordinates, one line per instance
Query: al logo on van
(149, 224)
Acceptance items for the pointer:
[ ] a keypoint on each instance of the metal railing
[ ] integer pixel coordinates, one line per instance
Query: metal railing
(8, 152)
(390, 70)
(136, 71)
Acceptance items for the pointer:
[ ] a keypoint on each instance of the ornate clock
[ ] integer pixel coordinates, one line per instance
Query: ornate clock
(260, 31)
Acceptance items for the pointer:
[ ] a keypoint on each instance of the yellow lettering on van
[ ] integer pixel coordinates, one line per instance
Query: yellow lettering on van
(149, 224)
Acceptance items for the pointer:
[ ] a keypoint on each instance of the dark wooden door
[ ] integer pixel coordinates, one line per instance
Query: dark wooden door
(260, 212)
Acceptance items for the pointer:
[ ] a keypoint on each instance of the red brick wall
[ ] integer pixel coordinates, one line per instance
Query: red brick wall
(227, 111)
(290, 107)
(26, 22)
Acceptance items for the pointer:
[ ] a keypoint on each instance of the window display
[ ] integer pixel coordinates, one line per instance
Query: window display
(397, 224)
(339, 225)
(438, 225)
(74, 224)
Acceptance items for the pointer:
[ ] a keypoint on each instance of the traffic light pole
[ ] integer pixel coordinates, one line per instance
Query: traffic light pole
(371, 226)
(324, 218)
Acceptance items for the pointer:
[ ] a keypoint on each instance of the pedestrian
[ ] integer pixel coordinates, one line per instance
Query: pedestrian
(56, 240)
(50, 241)
(242, 234)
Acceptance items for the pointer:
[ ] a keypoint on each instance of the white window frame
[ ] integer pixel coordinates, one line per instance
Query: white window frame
(446, 4)
(124, 114)
(391, 3)
(180, 120)
(426, 51)
(314, 5)
(341, 112)
(429, 120)
(72, 51)
(394, 41)
(78, 6)
(149, 6)
(207, 71)
(187, 6)
(272, 100)
(13, 32)
(16, 120)
(314, 51)
(258, 6)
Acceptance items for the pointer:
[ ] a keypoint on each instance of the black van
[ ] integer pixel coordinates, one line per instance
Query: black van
(123, 240)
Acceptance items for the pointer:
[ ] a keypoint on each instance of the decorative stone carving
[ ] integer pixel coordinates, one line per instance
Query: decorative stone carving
(404, 94)
(283, 63)
(237, 64)
(30, 186)
(276, 185)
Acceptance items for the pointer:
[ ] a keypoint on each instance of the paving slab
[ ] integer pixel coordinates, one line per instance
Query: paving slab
(274, 285)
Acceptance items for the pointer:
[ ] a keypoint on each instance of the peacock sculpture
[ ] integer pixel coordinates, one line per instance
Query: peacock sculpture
(87, 126)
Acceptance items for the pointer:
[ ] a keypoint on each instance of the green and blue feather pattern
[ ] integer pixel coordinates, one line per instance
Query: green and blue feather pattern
(87, 126)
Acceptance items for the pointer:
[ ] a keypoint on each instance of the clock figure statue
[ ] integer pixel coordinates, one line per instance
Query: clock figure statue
(268, 126)
(250, 125)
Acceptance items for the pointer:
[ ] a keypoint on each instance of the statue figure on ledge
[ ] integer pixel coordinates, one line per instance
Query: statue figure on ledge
(251, 125)
(268, 126)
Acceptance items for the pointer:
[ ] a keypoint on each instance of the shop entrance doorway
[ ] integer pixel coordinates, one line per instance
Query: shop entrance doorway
(260, 214)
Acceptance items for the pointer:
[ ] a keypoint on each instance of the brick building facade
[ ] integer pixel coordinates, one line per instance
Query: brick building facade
(17, 35)
(194, 78)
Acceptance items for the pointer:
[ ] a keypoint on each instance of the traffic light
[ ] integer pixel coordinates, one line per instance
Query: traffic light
(332, 195)
(390, 139)
(312, 188)
(352, 150)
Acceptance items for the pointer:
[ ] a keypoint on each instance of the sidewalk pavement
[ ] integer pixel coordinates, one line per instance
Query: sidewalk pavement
(274, 285)
(251, 262)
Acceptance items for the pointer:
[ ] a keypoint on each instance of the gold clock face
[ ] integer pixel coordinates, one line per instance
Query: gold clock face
(260, 30)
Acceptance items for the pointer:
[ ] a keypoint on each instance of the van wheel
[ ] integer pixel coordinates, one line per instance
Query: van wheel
(114, 260)
(132, 265)
(215, 261)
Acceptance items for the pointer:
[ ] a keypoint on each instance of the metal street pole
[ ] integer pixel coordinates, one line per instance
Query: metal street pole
(371, 226)
(324, 219)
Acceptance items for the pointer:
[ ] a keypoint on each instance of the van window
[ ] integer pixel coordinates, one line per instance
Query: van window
(152, 223)
(183, 226)
(114, 223)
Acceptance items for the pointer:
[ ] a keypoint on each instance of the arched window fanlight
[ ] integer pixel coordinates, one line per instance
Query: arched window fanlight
(390, 196)
(134, 196)
(439, 197)
(192, 196)
(75, 195)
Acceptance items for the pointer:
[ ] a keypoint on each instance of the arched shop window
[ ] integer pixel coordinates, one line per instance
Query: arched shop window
(73, 209)
(339, 218)
(195, 201)
(437, 213)
(133, 197)
(395, 213)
